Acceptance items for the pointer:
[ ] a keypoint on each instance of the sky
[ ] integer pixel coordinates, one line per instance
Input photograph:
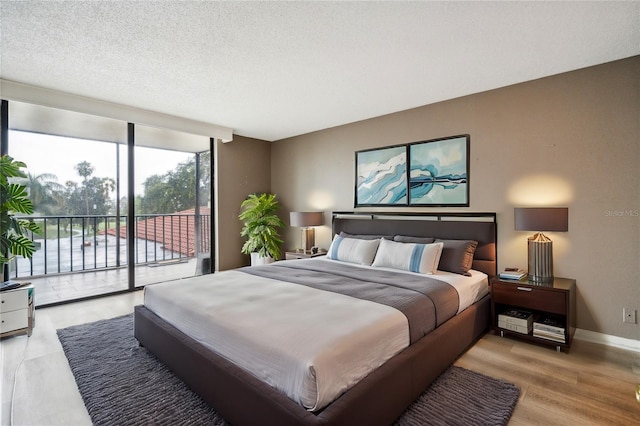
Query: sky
(58, 155)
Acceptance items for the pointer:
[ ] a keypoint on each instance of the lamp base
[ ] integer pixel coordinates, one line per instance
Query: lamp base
(308, 239)
(540, 258)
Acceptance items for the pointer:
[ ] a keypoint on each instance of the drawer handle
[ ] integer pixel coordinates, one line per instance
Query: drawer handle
(524, 288)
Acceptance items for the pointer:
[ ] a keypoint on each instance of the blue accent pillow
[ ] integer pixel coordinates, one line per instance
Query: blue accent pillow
(353, 250)
(414, 257)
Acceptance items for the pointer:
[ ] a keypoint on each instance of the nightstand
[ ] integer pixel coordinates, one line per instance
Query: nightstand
(555, 300)
(17, 311)
(292, 255)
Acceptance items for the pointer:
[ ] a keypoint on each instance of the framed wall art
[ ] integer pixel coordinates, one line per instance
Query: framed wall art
(427, 173)
(439, 172)
(381, 177)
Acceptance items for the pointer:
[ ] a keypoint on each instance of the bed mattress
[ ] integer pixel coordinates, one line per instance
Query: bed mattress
(335, 340)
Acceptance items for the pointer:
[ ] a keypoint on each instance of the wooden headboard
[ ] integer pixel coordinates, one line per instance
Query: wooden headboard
(480, 227)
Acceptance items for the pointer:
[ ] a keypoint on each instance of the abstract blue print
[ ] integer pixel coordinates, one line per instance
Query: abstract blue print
(381, 176)
(438, 172)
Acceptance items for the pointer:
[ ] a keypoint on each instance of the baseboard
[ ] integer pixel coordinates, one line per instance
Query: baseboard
(608, 340)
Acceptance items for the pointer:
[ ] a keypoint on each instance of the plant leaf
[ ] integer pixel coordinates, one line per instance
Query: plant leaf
(21, 246)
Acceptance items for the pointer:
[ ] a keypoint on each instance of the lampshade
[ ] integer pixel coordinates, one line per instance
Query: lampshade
(542, 219)
(539, 246)
(304, 219)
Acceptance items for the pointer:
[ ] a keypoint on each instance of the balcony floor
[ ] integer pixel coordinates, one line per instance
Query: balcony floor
(64, 287)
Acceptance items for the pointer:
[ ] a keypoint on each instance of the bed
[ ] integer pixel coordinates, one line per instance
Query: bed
(382, 394)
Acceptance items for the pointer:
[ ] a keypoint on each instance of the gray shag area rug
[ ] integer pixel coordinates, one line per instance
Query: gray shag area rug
(121, 383)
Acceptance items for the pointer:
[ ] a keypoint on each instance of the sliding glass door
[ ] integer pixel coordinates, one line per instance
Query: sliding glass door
(165, 215)
(72, 179)
(78, 172)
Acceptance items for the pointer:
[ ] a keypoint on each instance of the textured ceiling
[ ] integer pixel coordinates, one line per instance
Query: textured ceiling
(272, 70)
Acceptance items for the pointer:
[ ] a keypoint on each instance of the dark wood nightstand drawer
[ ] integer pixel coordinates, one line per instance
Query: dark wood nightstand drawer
(530, 297)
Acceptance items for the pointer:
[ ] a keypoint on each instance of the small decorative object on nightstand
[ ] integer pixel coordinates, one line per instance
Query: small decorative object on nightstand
(552, 306)
(291, 255)
(17, 310)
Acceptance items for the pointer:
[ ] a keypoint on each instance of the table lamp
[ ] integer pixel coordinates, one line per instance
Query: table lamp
(540, 247)
(306, 220)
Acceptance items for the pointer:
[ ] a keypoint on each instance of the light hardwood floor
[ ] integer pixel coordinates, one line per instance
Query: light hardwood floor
(590, 385)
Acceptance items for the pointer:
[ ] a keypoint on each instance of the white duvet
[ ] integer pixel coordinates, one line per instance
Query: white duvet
(310, 344)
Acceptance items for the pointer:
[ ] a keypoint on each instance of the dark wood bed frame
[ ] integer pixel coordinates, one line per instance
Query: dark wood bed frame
(384, 394)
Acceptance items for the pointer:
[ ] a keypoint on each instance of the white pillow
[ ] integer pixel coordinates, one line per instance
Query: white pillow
(353, 250)
(423, 258)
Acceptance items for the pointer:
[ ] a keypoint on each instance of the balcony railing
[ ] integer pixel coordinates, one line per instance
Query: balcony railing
(81, 243)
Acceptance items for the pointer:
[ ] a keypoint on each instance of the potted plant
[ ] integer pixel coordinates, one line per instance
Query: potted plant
(261, 226)
(14, 199)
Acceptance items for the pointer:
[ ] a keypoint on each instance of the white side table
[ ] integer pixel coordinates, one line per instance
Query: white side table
(17, 312)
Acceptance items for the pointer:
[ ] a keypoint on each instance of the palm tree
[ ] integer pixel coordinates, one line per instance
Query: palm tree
(44, 192)
(85, 169)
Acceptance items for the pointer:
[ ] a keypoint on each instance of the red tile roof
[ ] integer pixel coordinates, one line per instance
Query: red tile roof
(176, 231)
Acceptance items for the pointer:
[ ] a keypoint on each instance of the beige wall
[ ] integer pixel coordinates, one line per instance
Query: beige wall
(242, 167)
(567, 140)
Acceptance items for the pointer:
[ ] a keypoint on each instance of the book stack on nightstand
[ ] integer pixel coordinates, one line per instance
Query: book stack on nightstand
(549, 328)
(516, 320)
(513, 274)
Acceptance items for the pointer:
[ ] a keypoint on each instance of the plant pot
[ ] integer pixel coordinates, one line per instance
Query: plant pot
(257, 260)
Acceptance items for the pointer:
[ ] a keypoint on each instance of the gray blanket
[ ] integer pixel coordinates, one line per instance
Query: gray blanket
(425, 301)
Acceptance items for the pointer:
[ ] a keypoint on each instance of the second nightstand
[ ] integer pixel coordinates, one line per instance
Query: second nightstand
(556, 299)
(291, 255)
